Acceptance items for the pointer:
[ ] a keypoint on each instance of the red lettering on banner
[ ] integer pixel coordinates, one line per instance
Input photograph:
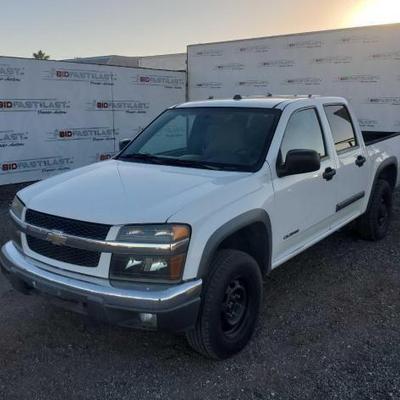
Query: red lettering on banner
(62, 74)
(9, 166)
(65, 134)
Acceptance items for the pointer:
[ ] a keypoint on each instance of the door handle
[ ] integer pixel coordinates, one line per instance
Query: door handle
(361, 160)
(329, 173)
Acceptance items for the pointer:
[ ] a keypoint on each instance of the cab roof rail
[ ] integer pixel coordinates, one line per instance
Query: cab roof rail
(281, 96)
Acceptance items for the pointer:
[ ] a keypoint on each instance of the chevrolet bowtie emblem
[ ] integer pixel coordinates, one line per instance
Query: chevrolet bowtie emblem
(57, 238)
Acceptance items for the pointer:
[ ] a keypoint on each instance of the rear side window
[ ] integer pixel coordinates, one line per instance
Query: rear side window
(303, 132)
(341, 127)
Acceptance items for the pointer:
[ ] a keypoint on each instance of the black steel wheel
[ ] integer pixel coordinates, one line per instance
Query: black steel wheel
(374, 224)
(234, 306)
(230, 306)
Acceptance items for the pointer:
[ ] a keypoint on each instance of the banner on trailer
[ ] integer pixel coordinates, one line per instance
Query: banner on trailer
(56, 116)
(361, 64)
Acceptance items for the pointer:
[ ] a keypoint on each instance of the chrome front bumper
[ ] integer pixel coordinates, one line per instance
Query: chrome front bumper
(176, 306)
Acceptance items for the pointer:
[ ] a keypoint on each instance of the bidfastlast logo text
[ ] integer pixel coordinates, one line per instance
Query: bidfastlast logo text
(102, 157)
(91, 133)
(128, 106)
(332, 60)
(168, 82)
(44, 164)
(253, 83)
(93, 77)
(11, 138)
(305, 44)
(356, 39)
(388, 56)
(230, 67)
(283, 63)
(359, 78)
(9, 73)
(368, 123)
(209, 53)
(390, 101)
(41, 106)
(258, 48)
(209, 85)
(303, 81)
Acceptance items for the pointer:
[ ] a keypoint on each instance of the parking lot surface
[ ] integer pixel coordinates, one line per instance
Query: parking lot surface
(329, 329)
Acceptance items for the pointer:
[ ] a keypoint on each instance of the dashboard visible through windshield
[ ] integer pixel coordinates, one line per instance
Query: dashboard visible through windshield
(210, 138)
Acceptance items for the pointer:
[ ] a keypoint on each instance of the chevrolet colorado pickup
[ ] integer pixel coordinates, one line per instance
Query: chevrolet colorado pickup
(177, 231)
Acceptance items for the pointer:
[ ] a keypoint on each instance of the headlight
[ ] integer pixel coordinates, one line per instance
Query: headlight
(161, 258)
(17, 207)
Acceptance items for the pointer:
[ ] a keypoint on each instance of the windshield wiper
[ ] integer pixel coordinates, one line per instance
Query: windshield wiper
(167, 161)
(180, 162)
(190, 163)
(141, 157)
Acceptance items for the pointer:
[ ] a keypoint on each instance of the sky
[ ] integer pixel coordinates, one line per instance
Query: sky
(83, 28)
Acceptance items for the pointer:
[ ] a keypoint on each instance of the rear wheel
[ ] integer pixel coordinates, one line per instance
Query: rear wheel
(375, 223)
(230, 306)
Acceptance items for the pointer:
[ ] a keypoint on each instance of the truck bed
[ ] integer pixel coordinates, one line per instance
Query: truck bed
(372, 137)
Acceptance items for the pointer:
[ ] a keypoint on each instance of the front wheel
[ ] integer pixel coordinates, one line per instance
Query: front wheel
(375, 223)
(230, 306)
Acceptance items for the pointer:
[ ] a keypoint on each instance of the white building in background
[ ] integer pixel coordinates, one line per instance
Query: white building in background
(176, 62)
(165, 61)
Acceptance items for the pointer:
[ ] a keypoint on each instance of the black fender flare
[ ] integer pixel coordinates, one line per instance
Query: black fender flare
(229, 228)
(385, 163)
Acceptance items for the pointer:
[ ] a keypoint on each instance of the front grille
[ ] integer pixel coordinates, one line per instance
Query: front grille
(65, 254)
(68, 226)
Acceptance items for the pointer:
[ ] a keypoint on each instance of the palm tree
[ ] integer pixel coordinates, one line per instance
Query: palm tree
(41, 55)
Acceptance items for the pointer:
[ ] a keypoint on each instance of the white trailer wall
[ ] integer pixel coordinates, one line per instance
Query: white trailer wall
(56, 116)
(361, 64)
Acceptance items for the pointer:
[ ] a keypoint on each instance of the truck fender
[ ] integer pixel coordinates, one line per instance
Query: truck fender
(385, 163)
(229, 228)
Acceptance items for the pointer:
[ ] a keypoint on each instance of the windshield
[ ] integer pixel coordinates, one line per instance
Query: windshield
(212, 138)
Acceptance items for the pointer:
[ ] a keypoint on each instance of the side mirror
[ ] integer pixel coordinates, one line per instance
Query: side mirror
(123, 143)
(300, 162)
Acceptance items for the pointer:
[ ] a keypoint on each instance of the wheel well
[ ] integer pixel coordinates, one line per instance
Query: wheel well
(389, 173)
(253, 240)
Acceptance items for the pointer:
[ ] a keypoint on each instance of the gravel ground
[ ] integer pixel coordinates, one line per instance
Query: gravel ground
(329, 329)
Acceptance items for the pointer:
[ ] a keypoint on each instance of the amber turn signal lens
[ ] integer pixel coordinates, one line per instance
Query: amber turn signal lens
(180, 232)
(176, 264)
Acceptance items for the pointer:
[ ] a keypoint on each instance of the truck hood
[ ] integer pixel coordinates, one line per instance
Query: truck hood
(117, 192)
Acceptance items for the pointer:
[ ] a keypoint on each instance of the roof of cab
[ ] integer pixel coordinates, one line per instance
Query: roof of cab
(255, 102)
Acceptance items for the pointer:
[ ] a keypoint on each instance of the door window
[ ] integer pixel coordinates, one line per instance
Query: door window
(303, 132)
(341, 126)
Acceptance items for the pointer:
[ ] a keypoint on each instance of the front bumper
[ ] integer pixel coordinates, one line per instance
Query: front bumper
(172, 307)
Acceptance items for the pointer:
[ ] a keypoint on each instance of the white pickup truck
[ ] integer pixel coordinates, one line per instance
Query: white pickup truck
(177, 231)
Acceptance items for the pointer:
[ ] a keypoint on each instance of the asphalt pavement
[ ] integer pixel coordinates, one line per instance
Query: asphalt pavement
(329, 329)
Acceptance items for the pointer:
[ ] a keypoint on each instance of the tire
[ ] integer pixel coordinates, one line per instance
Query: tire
(375, 223)
(230, 306)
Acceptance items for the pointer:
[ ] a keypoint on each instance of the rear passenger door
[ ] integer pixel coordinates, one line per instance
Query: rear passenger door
(304, 204)
(352, 172)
